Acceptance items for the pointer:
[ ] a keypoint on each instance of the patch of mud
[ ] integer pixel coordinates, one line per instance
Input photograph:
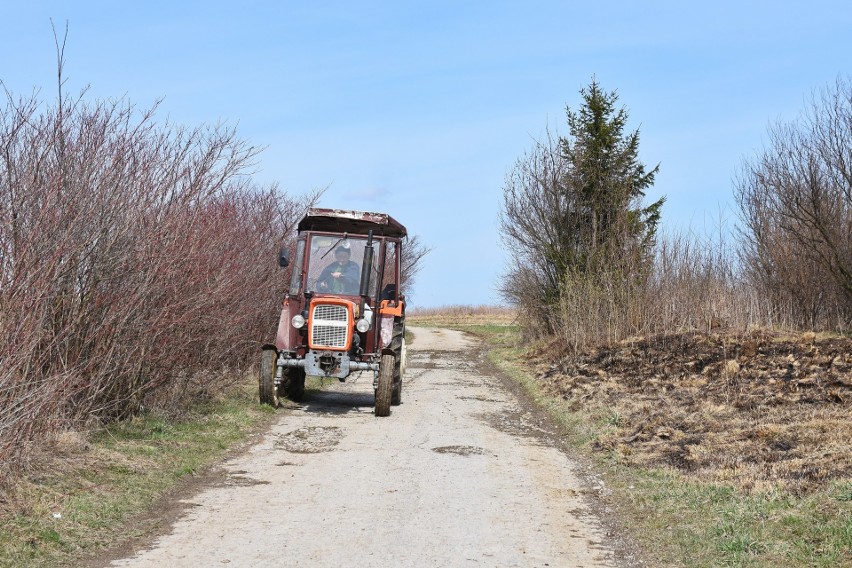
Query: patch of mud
(310, 440)
(461, 450)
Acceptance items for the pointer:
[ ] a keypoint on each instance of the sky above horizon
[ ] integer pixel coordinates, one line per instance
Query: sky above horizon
(420, 109)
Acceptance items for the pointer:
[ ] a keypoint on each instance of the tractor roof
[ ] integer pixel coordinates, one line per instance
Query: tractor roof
(353, 222)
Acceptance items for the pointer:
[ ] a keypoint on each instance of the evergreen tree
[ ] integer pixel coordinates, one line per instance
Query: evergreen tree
(605, 225)
(573, 219)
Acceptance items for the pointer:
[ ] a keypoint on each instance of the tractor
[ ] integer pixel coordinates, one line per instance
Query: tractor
(343, 311)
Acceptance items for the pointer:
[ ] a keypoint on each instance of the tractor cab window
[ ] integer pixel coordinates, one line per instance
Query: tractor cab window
(296, 276)
(334, 264)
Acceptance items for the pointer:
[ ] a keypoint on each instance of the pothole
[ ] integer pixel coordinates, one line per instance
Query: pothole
(243, 481)
(460, 450)
(479, 398)
(310, 440)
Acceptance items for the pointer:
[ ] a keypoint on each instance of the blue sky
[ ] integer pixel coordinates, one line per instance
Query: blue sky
(419, 109)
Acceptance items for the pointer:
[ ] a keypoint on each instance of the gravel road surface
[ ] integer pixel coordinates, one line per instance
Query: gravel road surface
(458, 475)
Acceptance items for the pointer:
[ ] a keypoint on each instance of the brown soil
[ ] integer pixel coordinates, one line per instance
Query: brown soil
(758, 411)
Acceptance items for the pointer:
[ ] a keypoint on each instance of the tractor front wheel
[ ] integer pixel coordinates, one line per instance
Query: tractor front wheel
(384, 388)
(266, 380)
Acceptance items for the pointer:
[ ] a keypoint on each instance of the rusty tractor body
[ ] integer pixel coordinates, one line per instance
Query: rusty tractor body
(343, 311)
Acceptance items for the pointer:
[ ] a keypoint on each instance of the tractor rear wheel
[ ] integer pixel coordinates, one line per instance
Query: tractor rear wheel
(398, 346)
(266, 380)
(293, 384)
(384, 389)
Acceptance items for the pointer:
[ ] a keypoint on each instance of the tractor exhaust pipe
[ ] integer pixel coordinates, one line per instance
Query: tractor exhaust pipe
(366, 266)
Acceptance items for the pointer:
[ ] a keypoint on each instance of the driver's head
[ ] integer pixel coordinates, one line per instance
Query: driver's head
(341, 254)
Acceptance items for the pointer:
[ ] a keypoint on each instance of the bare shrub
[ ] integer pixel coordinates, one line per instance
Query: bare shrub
(694, 283)
(136, 257)
(796, 203)
(529, 222)
(413, 252)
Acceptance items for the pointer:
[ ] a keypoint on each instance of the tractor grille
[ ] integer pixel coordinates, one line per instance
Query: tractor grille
(330, 326)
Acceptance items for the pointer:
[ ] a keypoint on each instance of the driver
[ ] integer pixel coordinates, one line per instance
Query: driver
(342, 276)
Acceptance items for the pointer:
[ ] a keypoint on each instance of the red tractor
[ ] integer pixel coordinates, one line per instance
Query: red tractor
(343, 311)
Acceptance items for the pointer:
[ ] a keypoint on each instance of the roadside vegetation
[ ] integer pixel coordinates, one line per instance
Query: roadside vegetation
(709, 375)
(137, 281)
(588, 262)
(137, 266)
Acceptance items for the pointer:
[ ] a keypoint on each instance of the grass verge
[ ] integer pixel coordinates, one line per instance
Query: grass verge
(83, 490)
(679, 519)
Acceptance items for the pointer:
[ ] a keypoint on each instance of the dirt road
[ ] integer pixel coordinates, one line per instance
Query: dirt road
(458, 475)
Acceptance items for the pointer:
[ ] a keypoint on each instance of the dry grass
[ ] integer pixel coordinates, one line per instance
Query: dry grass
(758, 412)
(468, 315)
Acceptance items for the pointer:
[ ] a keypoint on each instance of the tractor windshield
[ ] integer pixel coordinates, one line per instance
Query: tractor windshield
(334, 265)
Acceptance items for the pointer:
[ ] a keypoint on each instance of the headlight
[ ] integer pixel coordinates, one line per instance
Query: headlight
(298, 321)
(363, 325)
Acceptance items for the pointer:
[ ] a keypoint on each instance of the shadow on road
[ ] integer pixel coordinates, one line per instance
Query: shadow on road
(331, 402)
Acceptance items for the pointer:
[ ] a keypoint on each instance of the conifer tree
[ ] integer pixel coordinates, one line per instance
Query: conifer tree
(606, 224)
(573, 213)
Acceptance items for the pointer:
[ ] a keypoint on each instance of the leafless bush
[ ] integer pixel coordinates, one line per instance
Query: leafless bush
(530, 224)
(135, 257)
(796, 203)
(694, 283)
(413, 252)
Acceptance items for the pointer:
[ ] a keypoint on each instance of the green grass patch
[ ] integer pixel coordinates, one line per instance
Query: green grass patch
(79, 502)
(699, 524)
